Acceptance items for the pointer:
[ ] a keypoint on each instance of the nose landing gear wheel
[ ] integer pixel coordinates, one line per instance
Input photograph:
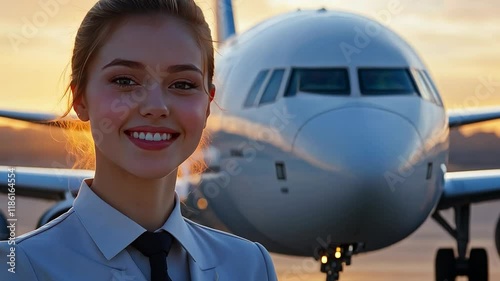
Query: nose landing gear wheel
(334, 257)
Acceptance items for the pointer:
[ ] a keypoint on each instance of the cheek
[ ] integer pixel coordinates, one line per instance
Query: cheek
(192, 115)
(105, 114)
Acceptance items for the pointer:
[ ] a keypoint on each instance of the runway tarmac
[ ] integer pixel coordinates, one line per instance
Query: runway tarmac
(410, 260)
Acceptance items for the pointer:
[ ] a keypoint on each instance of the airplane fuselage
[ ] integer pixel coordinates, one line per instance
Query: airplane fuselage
(311, 163)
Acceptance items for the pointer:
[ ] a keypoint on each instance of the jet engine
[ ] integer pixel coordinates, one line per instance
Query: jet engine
(4, 231)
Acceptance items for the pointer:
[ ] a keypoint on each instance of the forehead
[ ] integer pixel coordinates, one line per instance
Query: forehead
(154, 40)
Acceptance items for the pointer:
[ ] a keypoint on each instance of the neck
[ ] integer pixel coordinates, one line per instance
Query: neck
(148, 202)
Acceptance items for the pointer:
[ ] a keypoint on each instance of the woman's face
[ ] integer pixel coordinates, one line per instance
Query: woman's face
(145, 96)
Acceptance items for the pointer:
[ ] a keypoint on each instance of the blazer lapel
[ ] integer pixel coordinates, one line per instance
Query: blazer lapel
(198, 274)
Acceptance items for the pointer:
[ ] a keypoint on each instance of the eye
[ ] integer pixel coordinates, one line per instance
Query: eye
(183, 85)
(124, 81)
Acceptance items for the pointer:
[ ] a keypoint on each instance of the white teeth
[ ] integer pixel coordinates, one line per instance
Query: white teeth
(157, 137)
(151, 136)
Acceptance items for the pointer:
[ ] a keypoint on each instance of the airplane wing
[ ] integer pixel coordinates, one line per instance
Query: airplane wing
(41, 118)
(459, 117)
(43, 183)
(57, 184)
(462, 188)
(28, 116)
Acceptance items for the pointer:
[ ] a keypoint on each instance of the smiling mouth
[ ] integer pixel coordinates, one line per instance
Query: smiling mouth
(152, 136)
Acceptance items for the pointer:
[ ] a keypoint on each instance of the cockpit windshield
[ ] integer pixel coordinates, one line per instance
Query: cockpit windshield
(386, 81)
(325, 81)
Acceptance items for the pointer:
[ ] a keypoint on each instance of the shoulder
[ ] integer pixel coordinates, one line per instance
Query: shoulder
(14, 263)
(28, 253)
(219, 238)
(52, 232)
(229, 250)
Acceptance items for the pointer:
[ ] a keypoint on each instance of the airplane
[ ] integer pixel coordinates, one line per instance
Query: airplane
(329, 139)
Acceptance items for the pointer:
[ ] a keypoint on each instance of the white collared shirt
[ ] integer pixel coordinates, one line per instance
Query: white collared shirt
(113, 232)
(91, 242)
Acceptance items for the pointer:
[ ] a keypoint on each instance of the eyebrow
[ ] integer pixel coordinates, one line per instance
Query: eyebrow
(138, 65)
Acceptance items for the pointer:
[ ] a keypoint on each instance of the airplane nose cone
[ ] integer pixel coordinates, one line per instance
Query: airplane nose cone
(367, 166)
(360, 142)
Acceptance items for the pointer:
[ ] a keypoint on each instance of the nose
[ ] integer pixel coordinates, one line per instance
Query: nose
(154, 103)
(359, 143)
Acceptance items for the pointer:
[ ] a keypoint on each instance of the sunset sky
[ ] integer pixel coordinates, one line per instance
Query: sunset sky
(459, 40)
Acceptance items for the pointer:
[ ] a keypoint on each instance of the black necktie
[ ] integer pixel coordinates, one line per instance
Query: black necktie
(156, 246)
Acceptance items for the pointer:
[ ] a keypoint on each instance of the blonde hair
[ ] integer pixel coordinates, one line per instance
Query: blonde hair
(95, 28)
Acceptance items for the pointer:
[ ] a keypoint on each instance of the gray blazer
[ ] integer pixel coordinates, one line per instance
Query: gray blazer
(68, 248)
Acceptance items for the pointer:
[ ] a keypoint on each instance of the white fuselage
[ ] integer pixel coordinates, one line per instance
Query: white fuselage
(302, 170)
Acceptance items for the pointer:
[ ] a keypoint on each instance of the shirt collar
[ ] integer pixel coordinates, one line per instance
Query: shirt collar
(113, 231)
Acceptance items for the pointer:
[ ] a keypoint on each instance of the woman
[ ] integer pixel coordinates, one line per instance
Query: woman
(142, 76)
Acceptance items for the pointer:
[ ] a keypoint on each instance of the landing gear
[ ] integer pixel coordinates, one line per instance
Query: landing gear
(448, 267)
(445, 265)
(478, 265)
(333, 257)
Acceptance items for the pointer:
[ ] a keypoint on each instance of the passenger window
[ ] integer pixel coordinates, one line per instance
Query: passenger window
(432, 87)
(424, 91)
(386, 81)
(324, 81)
(254, 90)
(273, 87)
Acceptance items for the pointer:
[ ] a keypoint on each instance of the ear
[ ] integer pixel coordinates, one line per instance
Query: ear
(211, 95)
(211, 92)
(79, 105)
